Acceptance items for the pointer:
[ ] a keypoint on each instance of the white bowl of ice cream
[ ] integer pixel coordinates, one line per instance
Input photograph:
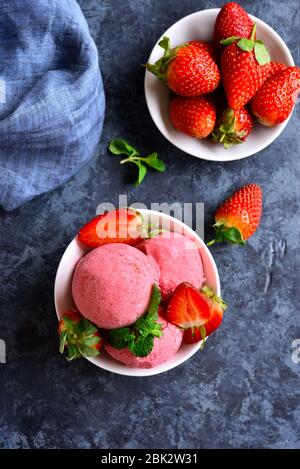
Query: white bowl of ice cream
(132, 288)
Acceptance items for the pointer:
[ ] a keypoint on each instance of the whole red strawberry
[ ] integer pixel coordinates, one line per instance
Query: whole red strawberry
(275, 67)
(195, 117)
(188, 70)
(239, 216)
(245, 66)
(232, 20)
(78, 335)
(275, 100)
(207, 47)
(234, 127)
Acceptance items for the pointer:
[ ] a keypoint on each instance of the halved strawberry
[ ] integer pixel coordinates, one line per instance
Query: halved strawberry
(78, 335)
(190, 307)
(118, 226)
(195, 334)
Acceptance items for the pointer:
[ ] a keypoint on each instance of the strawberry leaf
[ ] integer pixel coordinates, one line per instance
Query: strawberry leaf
(261, 53)
(90, 341)
(246, 44)
(229, 40)
(88, 351)
(233, 235)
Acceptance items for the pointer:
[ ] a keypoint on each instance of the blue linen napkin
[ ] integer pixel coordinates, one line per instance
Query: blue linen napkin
(51, 96)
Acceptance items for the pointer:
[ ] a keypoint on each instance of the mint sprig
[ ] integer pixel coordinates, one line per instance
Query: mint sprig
(121, 147)
(139, 338)
(261, 53)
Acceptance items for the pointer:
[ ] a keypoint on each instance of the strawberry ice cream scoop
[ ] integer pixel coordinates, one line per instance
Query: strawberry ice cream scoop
(112, 285)
(164, 348)
(178, 259)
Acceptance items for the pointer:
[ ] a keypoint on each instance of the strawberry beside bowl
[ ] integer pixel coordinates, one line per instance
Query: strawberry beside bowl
(200, 26)
(64, 300)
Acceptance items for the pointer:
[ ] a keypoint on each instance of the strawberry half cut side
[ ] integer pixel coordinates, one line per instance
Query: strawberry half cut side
(117, 226)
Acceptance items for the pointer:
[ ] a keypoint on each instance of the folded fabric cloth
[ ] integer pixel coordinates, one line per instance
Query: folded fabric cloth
(51, 96)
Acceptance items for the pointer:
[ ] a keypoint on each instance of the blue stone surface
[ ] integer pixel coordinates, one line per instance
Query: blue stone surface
(244, 389)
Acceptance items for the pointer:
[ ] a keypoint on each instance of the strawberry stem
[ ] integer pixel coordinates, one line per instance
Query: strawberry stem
(253, 32)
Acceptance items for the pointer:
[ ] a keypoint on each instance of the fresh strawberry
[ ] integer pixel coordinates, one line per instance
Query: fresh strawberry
(198, 312)
(204, 46)
(245, 66)
(275, 67)
(234, 127)
(197, 333)
(232, 20)
(188, 307)
(117, 226)
(188, 70)
(78, 335)
(193, 116)
(274, 101)
(239, 216)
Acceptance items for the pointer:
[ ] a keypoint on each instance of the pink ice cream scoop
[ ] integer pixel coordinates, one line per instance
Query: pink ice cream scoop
(178, 259)
(164, 348)
(112, 285)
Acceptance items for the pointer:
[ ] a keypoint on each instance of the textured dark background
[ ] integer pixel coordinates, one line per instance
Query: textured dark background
(244, 390)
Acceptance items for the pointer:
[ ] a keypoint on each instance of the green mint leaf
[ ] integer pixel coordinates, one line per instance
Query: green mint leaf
(203, 335)
(121, 147)
(233, 235)
(143, 346)
(120, 338)
(142, 172)
(246, 44)
(144, 326)
(153, 161)
(157, 330)
(154, 304)
(229, 40)
(261, 53)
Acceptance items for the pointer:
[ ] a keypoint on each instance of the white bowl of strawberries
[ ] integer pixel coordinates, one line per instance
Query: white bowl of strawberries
(221, 101)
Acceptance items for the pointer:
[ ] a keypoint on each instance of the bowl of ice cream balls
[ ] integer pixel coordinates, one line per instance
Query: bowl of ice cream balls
(136, 293)
(221, 84)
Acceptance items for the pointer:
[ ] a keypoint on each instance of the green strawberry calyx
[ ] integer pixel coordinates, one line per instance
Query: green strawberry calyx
(161, 65)
(209, 292)
(226, 133)
(261, 53)
(81, 338)
(230, 234)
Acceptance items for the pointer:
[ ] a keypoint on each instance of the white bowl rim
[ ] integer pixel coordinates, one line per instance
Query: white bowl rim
(142, 372)
(227, 157)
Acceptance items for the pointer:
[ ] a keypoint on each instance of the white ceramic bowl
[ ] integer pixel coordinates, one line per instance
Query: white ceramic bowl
(200, 25)
(64, 301)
